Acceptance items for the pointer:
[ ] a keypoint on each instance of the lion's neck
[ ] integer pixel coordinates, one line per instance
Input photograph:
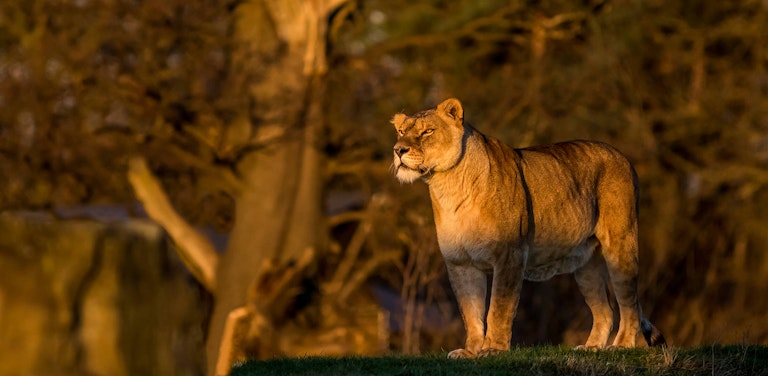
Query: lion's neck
(468, 179)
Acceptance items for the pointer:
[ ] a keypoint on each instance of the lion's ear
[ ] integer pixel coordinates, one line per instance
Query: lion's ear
(398, 120)
(452, 108)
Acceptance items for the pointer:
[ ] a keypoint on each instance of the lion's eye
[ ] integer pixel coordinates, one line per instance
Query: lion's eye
(400, 132)
(427, 132)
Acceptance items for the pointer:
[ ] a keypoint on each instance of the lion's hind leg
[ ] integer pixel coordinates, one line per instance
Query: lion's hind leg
(592, 280)
(620, 254)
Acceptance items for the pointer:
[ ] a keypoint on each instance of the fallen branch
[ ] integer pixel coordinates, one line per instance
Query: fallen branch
(249, 330)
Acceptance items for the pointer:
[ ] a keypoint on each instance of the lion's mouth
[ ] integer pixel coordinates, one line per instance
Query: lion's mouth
(409, 174)
(420, 169)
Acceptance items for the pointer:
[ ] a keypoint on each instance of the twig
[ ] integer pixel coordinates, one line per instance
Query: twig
(365, 271)
(353, 249)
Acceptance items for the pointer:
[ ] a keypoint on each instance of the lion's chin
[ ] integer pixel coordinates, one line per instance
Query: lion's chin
(407, 175)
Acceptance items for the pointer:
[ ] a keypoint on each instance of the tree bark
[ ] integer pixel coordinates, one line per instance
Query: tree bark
(279, 215)
(278, 64)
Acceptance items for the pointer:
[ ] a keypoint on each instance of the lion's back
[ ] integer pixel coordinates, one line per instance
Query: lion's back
(582, 166)
(578, 155)
(575, 185)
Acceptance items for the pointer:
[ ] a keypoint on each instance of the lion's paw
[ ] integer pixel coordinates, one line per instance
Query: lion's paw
(461, 354)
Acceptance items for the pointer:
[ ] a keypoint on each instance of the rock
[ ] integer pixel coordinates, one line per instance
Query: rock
(84, 297)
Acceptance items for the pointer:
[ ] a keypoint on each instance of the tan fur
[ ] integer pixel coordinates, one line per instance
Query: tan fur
(515, 214)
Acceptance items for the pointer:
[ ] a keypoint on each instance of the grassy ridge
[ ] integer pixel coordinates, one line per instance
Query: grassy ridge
(559, 361)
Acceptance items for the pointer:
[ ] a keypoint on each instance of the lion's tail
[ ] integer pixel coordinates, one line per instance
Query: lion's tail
(652, 334)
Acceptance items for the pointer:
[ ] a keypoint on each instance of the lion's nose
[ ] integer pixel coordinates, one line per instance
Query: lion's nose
(400, 150)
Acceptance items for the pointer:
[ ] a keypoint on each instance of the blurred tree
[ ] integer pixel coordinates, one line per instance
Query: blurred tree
(272, 141)
(222, 100)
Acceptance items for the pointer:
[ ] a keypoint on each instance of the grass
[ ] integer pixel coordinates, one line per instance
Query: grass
(559, 361)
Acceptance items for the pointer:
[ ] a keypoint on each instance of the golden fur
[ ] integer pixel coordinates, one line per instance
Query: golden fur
(515, 214)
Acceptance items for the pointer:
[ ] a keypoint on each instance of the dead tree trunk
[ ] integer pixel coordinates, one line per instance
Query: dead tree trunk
(278, 64)
(279, 213)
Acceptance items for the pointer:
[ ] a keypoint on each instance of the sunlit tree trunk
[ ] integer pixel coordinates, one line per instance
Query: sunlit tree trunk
(279, 54)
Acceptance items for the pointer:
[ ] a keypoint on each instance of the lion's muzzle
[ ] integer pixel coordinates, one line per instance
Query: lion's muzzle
(408, 163)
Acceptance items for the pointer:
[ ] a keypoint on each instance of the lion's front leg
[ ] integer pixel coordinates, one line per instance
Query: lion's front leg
(469, 285)
(505, 294)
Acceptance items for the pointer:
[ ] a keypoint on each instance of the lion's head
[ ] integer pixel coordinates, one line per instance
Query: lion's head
(429, 141)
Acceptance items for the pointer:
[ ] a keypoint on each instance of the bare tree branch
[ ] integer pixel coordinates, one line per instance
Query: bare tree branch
(354, 247)
(277, 285)
(364, 271)
(348, 216)
(195, 250)
(225, 179)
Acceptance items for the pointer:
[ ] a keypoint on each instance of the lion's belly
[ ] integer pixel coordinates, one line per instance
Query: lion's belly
(542, 263)
(546, 262)
(468, 240)
(473, 237)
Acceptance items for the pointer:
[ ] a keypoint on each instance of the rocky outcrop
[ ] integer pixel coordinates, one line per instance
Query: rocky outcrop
(82, 297)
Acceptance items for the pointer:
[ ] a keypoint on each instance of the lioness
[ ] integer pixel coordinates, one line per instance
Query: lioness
(530, 213)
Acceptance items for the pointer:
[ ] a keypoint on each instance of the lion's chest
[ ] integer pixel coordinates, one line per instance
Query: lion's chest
(469, 238)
